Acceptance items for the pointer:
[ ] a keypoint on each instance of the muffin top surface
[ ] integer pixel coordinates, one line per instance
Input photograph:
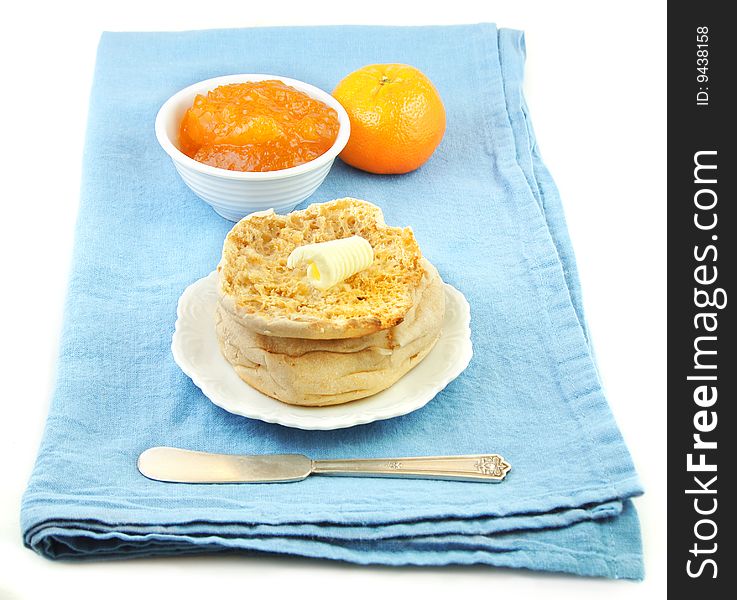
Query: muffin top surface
(259, 287)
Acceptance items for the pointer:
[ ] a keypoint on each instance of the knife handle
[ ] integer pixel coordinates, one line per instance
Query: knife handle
(477, 467)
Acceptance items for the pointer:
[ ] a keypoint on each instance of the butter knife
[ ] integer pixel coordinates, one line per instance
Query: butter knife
(188, 466)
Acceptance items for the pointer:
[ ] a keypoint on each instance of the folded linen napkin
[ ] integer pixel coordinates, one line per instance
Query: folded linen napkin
(485, 212)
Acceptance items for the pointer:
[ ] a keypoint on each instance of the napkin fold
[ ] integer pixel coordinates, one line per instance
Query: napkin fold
(484, 210)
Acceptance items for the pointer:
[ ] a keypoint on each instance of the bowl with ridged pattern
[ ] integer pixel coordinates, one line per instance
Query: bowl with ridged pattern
(235, 194)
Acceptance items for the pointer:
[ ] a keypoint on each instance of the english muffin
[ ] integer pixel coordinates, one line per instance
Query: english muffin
(305, 346)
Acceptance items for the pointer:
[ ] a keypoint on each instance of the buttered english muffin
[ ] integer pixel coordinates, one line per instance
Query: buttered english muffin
(304, 345)
(257, 284)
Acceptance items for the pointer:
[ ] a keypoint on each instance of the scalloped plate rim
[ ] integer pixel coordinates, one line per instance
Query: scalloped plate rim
(353, 413)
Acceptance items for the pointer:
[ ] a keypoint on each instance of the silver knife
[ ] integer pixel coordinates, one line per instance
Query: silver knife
(188, 466)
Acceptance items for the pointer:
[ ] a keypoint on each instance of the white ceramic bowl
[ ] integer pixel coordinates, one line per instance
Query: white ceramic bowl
(234, 194)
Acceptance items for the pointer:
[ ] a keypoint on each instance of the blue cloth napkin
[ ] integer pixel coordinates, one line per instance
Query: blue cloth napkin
(485, 211)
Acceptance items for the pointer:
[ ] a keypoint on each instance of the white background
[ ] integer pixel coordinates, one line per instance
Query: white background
(595, 84)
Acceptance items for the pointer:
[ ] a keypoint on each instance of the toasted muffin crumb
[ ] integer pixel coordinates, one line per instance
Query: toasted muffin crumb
(254, 272)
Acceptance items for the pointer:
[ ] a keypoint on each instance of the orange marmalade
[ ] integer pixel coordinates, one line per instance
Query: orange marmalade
(257, 126)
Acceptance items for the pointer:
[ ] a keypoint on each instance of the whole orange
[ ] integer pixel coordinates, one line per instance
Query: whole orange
(397, 118)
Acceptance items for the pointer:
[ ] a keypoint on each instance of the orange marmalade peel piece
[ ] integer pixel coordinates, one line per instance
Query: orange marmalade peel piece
(257, 126)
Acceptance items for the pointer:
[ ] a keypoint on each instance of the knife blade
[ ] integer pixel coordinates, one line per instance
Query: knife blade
(188, 466)
(177, 465)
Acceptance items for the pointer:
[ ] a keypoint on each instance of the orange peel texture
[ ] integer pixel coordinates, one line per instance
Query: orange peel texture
(397, 118)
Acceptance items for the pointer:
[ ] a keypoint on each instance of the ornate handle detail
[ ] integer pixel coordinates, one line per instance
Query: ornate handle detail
(478, 467)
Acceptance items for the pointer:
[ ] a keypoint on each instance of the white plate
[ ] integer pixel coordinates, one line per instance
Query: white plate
(196, 351)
